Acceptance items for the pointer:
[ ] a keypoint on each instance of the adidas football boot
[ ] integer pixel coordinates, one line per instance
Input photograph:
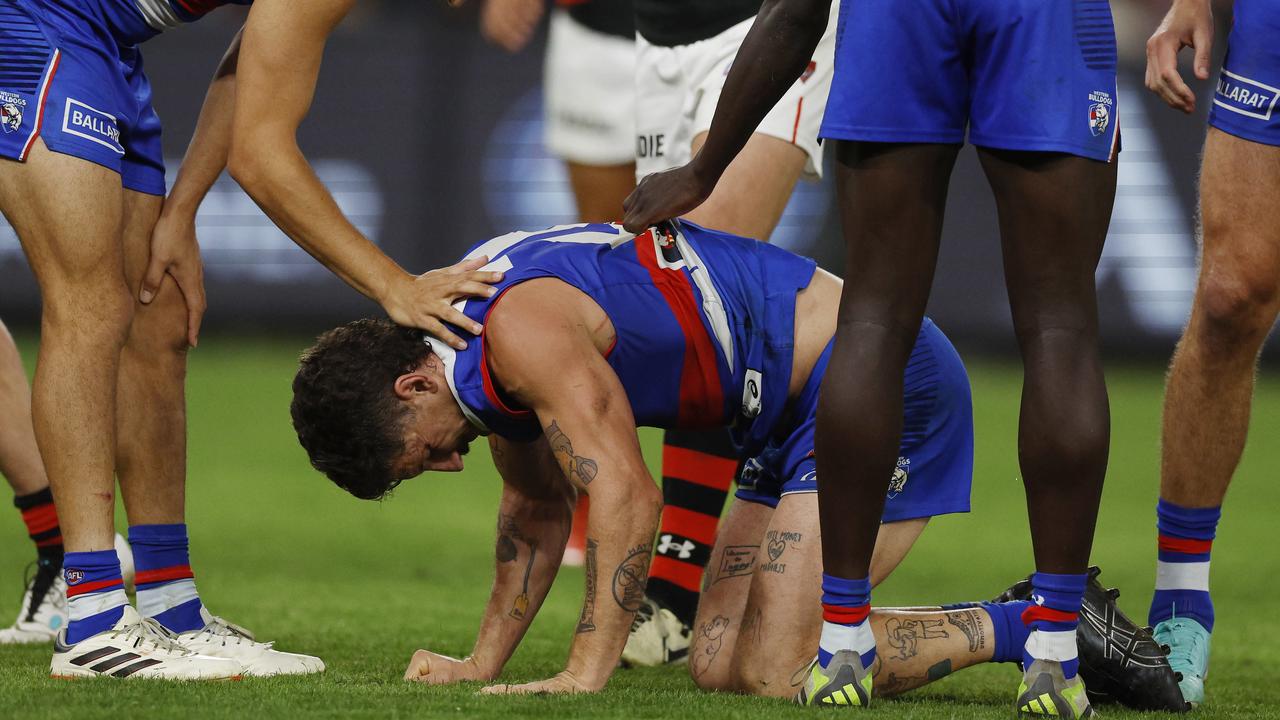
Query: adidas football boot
(221, 639)
(1188, 644)
(136, 648)
(843, 682)
(657, 637)
(1045, 691)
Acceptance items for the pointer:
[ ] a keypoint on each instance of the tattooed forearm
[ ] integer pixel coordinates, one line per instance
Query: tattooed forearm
(630, 578)
(583, 469)
(521, 605)
(970, 624)
(586, 623)
(708, 642)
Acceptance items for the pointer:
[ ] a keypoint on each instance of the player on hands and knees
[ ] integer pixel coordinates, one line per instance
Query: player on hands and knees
(1211, 378)
(592, 334)
(684, 50)
(892, 176)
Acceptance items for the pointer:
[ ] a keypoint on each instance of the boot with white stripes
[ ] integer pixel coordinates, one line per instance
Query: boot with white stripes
(136, 648)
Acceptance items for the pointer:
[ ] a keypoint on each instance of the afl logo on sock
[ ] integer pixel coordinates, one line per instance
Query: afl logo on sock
(75, 577)
(1099, 112)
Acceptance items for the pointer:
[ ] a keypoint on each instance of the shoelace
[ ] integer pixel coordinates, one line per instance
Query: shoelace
(150, 632)
(1183, 653)
(228, 633)
(39, 582)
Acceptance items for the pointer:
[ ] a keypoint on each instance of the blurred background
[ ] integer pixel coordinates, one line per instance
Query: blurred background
(431, 139)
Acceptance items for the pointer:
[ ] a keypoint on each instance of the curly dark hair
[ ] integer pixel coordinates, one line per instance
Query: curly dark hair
(347, 417)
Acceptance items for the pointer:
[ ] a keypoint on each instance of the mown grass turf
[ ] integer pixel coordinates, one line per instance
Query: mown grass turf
(279, 549)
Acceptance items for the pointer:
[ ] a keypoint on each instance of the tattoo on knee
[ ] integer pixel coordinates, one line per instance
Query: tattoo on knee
(970, 623)
(776, 544)
(905, 635)
(709, 642)
(737, 561)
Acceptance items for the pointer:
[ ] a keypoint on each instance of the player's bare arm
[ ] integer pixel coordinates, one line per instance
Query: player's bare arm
(174, 248)
(545, 342)
(1189, 23)
(772, 56)
(278, 65)
(533, 526)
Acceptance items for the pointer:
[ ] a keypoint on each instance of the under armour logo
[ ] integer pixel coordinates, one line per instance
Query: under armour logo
(669, 544)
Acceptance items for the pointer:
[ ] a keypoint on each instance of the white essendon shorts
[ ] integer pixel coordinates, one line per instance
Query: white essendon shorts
(677, 89)
(589, 94)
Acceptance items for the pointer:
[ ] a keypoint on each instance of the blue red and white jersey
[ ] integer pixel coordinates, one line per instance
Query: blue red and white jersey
(135, 21)
(704, 322)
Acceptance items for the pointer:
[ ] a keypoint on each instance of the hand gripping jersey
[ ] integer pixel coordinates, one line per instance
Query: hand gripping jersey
(70, 75)
(704, 323)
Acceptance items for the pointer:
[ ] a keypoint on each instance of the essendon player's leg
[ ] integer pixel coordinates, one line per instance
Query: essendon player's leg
(755, 188)
(892, 199)
(1210, 386)
(1052, 240)
(43, 608)
(66, 212)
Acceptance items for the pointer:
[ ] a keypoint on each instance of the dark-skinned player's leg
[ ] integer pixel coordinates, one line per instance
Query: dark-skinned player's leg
(892, 199)
(1054, 211)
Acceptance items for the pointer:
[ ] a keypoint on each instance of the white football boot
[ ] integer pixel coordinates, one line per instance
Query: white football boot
(657, 638)
(219, 638)
(43, 611)
(136, 648)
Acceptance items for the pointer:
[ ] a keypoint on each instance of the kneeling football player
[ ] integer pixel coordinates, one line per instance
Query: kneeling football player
(592, 332)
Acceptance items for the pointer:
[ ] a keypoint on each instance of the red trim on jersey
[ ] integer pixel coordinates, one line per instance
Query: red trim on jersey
(200, 7)
(486, 380)
(677, 572)
(40, 519)
(701, 397)
(845, 615)
(1039, 612)
(698, 527)
(159, 575)
(92, 587)
(795, 129)
(1168, 543)
(44, 95)
(697, 467)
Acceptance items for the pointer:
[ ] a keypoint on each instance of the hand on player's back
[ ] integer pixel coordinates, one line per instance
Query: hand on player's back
(1189, 23)
(663, 196)
(426, 301)
(436, 669)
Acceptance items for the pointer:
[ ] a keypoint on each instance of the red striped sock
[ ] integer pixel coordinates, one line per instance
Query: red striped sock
(41, 519)
(697, 470)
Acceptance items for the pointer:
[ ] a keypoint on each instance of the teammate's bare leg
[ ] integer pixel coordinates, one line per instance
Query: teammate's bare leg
(19, 456)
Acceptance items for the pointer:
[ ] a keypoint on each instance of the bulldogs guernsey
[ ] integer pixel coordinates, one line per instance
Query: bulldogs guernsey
(704, 323)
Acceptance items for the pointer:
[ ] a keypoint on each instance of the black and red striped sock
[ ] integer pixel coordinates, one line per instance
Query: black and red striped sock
(41, 519)
(697, 470)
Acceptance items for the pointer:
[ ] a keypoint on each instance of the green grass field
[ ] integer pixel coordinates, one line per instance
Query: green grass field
(280, 550)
